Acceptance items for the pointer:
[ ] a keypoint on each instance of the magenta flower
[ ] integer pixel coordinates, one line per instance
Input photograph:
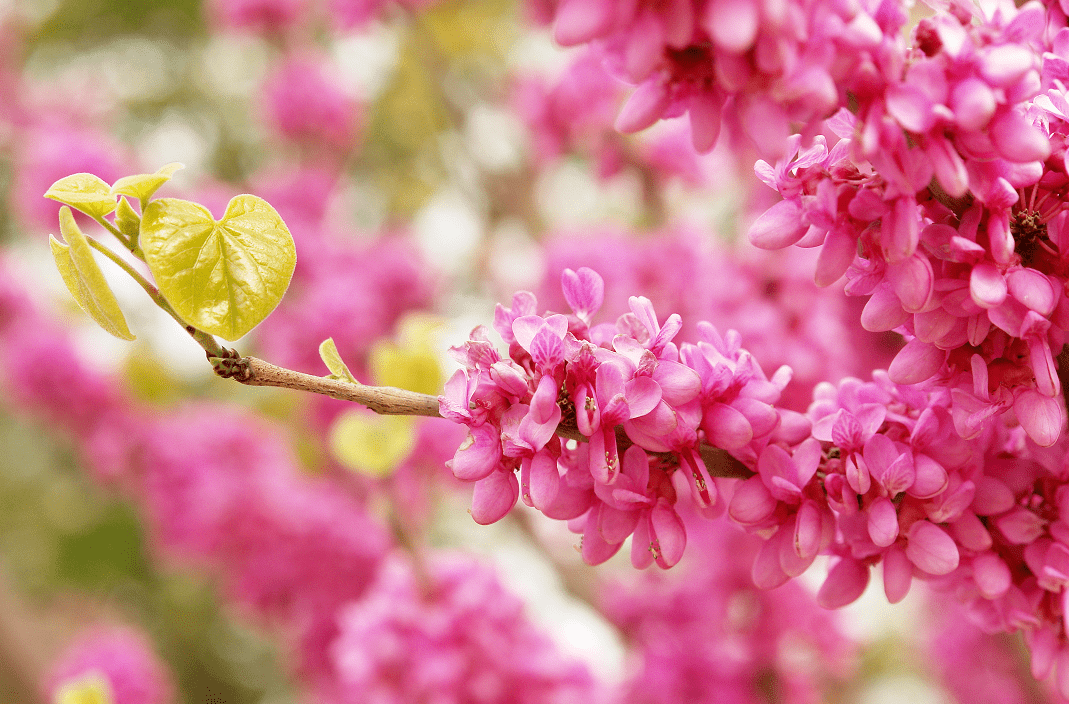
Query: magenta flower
(123, 658)
(305, 103)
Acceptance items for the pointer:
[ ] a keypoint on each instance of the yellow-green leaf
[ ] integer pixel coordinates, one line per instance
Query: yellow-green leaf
(328, 352)
(142, 186)
(128, 221)
(223, 277)
(85, 192)
(370, 444)
(84, 279)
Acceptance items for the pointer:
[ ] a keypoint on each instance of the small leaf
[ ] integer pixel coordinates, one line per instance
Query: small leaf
(224, 276)
(84, 279)
(370, 444)
(85, 192)
(328, 352)
(128, 221)
(142, 186)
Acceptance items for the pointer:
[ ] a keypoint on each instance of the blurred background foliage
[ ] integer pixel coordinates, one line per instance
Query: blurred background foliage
(75, 554)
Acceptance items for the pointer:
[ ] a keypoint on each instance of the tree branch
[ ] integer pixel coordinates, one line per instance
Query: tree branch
(387, 400)
(1063, 374)
(384, 400)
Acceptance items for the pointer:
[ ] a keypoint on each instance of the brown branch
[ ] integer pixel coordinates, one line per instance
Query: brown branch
(1063, 374)
(384, 400)
(387, 400)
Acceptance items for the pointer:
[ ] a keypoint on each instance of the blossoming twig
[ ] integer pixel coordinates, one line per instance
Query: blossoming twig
(388, 400)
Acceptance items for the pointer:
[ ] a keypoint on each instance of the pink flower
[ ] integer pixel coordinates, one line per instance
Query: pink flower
(131, 670)
(460, 636)
(47, 152)
(305, 103)
(262, 16)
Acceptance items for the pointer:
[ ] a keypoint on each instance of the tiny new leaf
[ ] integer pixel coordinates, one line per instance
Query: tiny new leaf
(223, 277)
(128, 221)
(328, 352)
(84, 279)
(85, 192)
(142, 186)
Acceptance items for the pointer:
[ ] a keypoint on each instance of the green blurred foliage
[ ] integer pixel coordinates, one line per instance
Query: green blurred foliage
(64, 540)
(83, 23)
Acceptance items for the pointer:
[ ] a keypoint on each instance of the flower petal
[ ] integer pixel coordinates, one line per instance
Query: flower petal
(931, 549)
(669, 533)
(883, 522)
(780, 226)
(916, 362)
(494, 496)
(845, 583)
(478, 455)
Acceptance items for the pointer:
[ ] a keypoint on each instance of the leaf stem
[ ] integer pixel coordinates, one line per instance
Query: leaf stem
(206, 341)
(115, 231)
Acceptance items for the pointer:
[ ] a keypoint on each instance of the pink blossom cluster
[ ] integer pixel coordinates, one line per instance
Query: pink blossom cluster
(573, 114)
(451, 634)
(121, 658)
(769, 298)
(222, 490)
(978, 291)
(903, 477)
(764, 65)
(623, 381)
(885, 479)
(705, 634)
(45, 375)
(942, 201)
(305, 104)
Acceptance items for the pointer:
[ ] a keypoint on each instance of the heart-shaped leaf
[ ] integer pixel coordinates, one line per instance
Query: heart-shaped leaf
(328, 352)
(223, 277)
(142, 186)
(84, 279)
(85, 192)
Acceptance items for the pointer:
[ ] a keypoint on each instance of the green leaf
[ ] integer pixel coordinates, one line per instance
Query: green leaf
(128, 221)
(85, 192)
(142, 186)
(370, 444)
(328, 352)
(223, 277)
(84, 279)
